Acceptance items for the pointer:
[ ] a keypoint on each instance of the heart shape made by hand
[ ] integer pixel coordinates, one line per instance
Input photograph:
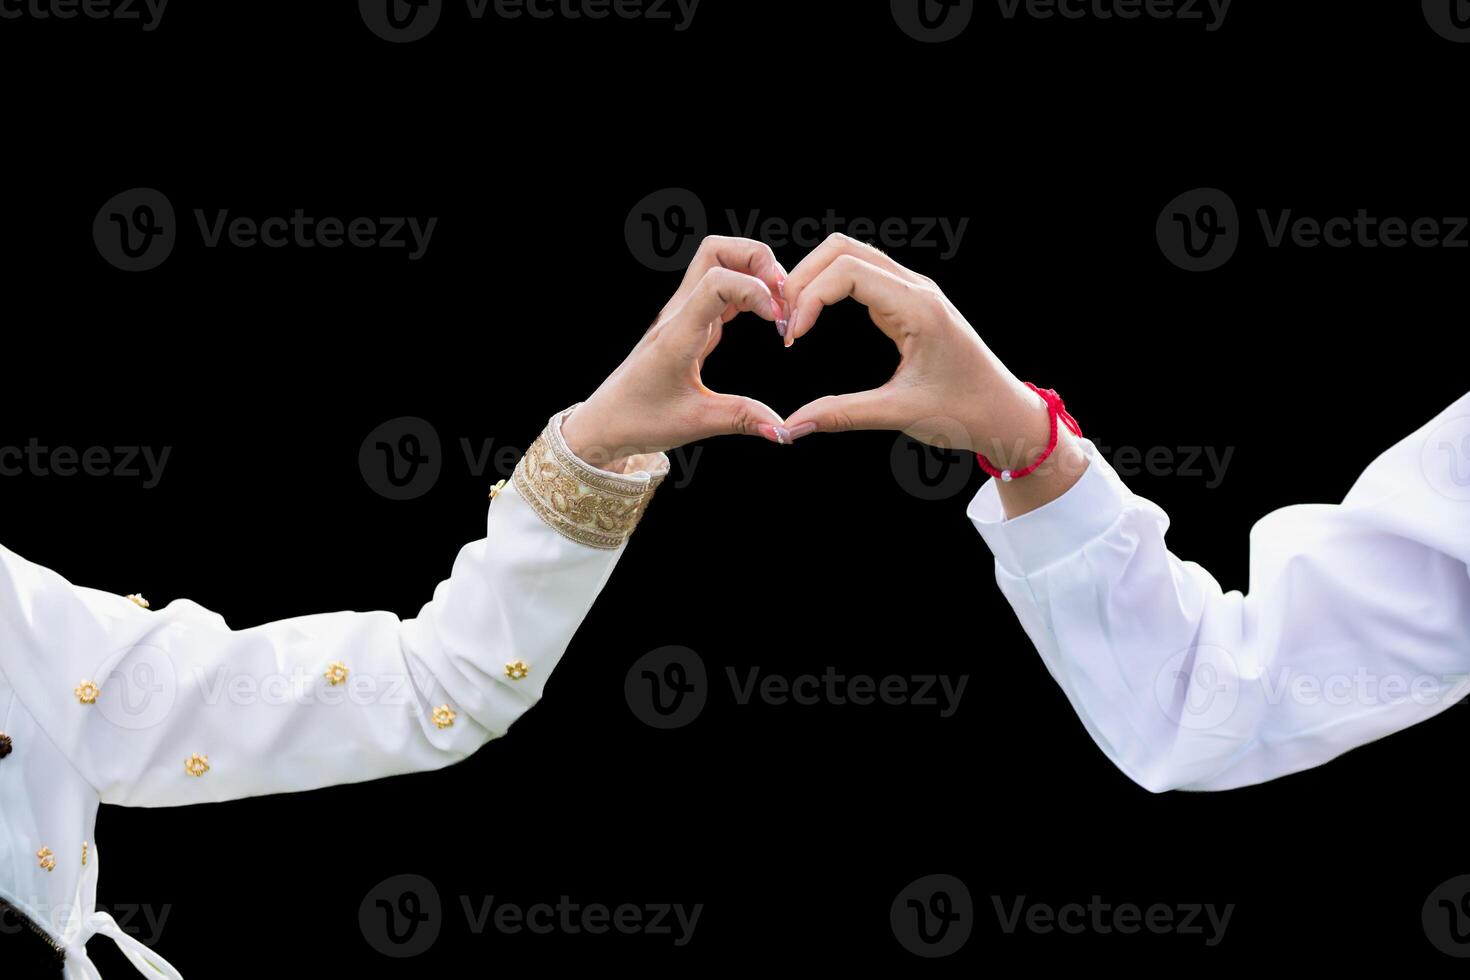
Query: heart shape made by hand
(948, 388)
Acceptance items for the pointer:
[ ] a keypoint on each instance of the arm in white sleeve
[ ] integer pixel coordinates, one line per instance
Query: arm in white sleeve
(168, 707)
(1356, 623)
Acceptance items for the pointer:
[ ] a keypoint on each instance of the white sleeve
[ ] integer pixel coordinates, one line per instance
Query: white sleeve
(169, 707)
(1356, 623)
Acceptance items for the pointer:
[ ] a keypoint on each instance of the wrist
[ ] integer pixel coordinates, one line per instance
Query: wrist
(589, 441)
(1023, 429)
(1011, 425)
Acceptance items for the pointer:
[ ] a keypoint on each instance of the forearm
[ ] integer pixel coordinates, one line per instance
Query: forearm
(326, 698)
(1353, 626)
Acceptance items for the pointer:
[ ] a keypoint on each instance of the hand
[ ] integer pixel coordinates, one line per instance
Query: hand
(949, 389)
(655, 400)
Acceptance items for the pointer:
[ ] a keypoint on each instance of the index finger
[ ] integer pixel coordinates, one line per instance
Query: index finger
(738, 255)
(835, 247)
(886, 295)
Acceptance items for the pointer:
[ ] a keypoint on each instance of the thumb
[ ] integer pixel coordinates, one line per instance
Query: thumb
(724, 415)
(876, 408)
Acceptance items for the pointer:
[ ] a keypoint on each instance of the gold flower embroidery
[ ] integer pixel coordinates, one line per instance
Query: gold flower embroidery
(87, 692)
(495, 490)
(47, 858)
(579, 502)
(196, 764)
(595, 513)
(138, 598)
(85, 848)
(517, 670)
(336, 673)
(443, 716)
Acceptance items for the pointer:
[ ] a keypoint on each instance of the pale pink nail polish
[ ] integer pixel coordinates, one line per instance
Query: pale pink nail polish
(804, 429)
(775, 433)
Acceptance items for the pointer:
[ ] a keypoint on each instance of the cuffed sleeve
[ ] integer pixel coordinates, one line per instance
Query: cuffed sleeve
(1356, 622)
(1026, 544)
(591, 506)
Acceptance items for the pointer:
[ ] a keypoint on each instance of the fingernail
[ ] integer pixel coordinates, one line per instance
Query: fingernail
(777, 434)
(804, 429)
(781, 327)
(776, 310)
(790, 333)
(781, 286)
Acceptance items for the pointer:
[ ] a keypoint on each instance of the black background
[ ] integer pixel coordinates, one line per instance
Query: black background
(530, 141)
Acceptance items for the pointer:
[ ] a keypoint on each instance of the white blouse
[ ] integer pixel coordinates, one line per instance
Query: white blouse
(103, 700)
(1356, 623)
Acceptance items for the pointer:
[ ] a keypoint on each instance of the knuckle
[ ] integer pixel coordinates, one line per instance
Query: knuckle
(729, 286)
(837, 420)
(742, 421)
(926, 301)
(715, 279)
(934, 300)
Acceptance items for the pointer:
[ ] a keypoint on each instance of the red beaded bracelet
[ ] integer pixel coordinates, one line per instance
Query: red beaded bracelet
(1055, 409)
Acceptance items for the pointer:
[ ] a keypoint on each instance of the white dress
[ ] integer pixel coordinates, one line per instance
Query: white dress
(105, 701)
(1356, 622)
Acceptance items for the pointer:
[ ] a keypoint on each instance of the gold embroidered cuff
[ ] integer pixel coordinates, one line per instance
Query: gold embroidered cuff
(591, 506)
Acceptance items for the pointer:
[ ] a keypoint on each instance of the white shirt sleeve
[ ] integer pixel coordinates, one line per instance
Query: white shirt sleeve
(1356, 623)
(171, 706)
